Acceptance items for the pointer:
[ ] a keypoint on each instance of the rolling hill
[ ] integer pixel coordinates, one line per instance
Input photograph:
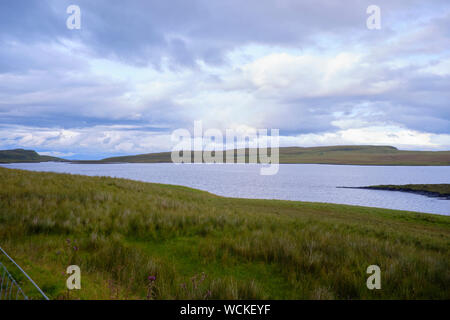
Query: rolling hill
(356, 155)
(350, 155)
(21, 155)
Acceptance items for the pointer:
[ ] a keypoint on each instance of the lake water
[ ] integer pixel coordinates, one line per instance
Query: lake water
(303, 182)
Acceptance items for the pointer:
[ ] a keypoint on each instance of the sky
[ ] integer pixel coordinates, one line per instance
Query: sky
(135, 71)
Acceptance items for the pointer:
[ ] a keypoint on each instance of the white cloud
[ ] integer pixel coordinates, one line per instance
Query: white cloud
(125, 140)
(377, 135)
(440, 68)
(284, 75)
(56, 154)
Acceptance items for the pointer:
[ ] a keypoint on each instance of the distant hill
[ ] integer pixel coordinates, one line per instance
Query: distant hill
(363, 155)
(356, 155)
(21, 155)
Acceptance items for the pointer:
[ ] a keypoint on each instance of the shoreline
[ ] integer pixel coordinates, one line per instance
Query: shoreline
(270, 249)
(263, 199)
(430, 194)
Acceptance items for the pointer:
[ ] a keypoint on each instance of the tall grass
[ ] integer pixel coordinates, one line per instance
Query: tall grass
(135, 240)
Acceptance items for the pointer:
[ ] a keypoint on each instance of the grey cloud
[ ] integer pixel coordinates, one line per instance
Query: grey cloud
(41, 86)
(142, 32)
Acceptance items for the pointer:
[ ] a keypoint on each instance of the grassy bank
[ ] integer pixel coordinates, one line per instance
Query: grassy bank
(202, 246)
(435, 190)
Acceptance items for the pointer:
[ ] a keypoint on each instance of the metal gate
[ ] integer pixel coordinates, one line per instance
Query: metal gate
(10, 288)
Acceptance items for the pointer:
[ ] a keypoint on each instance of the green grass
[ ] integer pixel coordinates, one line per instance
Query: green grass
(202, 246)
(441, 190)
(356, 155)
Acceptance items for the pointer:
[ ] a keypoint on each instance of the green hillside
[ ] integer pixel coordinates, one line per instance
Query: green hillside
(356, 155)
(21, 155)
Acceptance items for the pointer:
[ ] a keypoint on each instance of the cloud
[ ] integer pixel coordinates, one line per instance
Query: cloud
(104, 141)
(136, 71)
(142, 32)
(57, 154)
(374, 135)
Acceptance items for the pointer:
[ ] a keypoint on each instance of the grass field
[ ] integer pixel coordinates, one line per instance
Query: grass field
(202, 246)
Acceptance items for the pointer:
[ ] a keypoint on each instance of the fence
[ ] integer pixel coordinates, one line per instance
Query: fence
(10, 289)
